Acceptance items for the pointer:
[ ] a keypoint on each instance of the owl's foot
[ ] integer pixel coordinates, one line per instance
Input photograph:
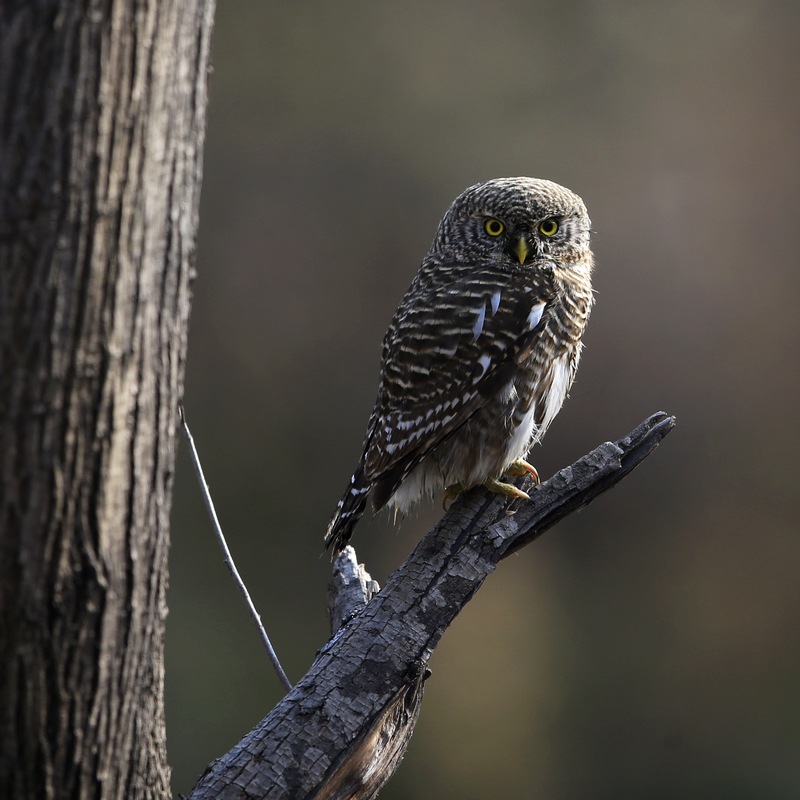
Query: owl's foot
(518, 468)
(452, 491)
(509, 490)
(493, 485)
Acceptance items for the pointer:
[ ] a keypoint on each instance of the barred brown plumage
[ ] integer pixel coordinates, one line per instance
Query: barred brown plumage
(481, 351)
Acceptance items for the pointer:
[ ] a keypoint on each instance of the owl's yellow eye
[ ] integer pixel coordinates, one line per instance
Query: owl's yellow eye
(548, 227)
(494, 227)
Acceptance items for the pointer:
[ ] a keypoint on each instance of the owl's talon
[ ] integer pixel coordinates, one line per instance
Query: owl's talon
(507, 489)
(518, 468)
(451, 492)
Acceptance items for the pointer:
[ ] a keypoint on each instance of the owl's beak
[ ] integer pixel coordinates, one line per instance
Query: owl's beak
(521, 249)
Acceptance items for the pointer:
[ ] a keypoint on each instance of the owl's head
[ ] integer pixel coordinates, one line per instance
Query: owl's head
(515, 222)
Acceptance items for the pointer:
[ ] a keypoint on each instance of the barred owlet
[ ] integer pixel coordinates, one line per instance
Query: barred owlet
(481, 352)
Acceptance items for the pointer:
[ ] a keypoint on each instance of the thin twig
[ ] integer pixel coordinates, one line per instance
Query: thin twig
(229, 558)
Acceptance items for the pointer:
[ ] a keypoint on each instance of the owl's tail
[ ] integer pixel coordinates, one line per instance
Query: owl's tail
(348, 512)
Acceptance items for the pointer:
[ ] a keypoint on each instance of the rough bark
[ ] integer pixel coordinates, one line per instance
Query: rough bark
(341, 732)
(102, 113)
(350, 590)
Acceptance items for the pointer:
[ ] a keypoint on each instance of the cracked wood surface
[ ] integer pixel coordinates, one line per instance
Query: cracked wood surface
(328, 737)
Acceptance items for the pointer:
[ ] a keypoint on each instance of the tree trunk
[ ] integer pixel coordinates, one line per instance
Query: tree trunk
(102, 113)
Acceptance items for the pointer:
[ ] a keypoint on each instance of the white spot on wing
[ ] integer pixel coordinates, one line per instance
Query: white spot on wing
(478, 327)
(495, 302)
(484, 361)
(535, 316)
(507, 392)
(447, 351)
(406, 425)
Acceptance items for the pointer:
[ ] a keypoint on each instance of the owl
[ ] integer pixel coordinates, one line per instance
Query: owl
(481, 351)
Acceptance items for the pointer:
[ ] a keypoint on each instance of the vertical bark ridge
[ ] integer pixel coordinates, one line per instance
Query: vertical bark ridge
(102, 112)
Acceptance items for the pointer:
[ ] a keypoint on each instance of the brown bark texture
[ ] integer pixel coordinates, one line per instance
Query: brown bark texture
(102, 114)
(343, 729)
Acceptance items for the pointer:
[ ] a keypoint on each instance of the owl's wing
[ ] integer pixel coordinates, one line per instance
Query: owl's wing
(447, 352)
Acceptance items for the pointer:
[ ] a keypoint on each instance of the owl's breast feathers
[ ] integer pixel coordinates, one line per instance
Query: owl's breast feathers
(454, 344)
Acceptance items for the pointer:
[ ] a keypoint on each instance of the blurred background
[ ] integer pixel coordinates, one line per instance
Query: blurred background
(649, 647)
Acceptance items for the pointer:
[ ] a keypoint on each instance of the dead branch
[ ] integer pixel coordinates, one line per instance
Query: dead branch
(343, 729)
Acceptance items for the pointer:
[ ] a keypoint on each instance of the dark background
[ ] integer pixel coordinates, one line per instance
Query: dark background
(649, 646)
